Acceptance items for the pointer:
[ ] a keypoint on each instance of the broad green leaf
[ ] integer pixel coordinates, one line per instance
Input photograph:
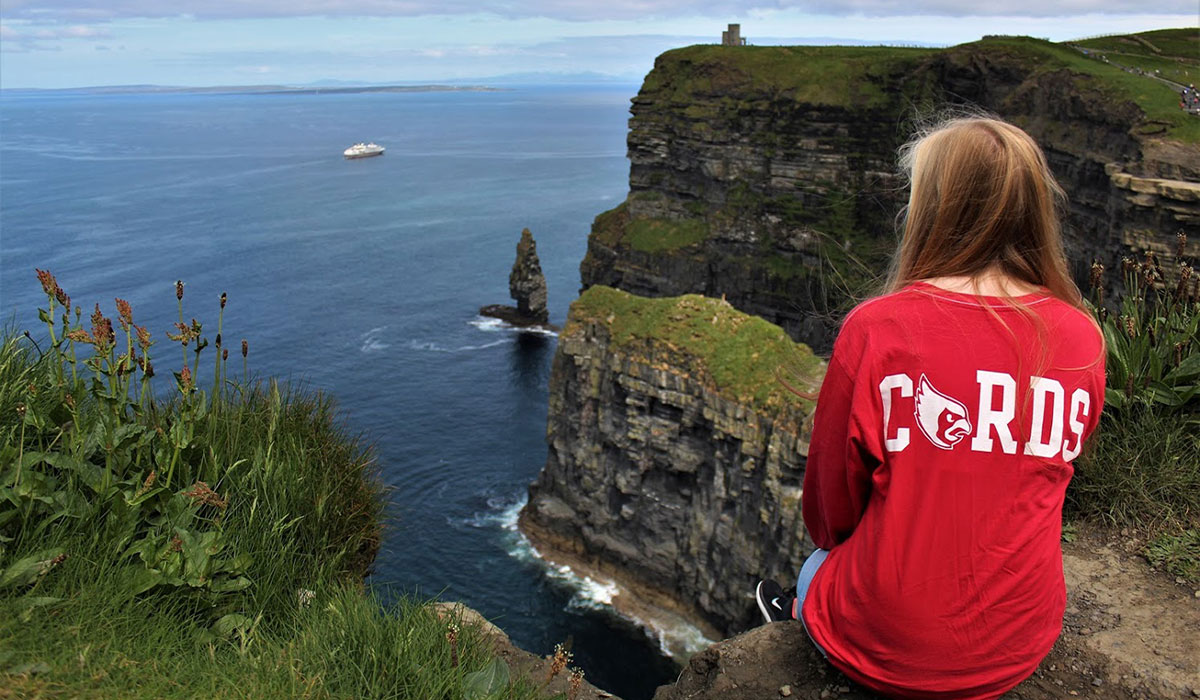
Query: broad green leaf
(226, 625)
(91, 474)
(140, 579)
(228, 585)
(1190, 367)
(25, 571)
(494, 678)
(137, 500)
(1160, 393)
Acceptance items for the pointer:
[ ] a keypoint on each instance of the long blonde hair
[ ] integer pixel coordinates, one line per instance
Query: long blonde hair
(982, 196)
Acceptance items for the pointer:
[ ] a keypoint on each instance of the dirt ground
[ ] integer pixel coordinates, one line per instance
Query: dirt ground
(1139, 627)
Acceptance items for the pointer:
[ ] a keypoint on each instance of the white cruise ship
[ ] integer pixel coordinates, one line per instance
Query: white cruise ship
(363, 150)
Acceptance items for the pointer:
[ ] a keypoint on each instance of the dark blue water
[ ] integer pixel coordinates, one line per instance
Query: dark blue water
(358, 278)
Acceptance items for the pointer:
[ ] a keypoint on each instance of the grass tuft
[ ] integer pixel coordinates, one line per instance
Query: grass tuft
(196, 543)
(736, 354)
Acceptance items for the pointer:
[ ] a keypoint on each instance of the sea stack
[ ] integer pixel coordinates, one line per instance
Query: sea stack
(527, 286)
(526, 283)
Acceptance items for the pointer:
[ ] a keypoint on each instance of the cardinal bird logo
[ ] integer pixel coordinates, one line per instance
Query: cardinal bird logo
(944, 420)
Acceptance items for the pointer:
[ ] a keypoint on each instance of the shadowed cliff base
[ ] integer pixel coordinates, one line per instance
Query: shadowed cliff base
(678, 628)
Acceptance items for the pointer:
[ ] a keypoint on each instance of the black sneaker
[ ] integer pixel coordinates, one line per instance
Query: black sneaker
(774, 603)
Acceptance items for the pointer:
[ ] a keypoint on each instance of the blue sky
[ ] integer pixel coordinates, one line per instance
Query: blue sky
(66, 43)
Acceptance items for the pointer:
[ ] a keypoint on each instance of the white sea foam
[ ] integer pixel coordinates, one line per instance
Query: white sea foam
(495, 325)
(673, 635)
(371, 340)
(429, 346)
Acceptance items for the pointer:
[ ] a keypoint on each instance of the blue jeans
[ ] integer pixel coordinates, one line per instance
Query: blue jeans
(803, 581)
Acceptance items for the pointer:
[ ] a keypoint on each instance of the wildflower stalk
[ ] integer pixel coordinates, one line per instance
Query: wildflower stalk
(179, 300)
(20, 446)
(217, 367)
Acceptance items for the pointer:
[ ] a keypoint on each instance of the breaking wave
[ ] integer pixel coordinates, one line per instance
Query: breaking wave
(495, 325)
(673, 636)
(371, 340)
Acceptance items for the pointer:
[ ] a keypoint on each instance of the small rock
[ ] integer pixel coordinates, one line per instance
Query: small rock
(826, 693)
(843, 689)
(1085, 631)
(785, 691)
(1198, 594)
(1072, 692)
(1097, 682)
(1053, 667)
(1180, 579)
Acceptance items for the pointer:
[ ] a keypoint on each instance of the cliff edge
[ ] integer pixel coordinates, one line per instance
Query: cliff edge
(767, 174)
(676, 458)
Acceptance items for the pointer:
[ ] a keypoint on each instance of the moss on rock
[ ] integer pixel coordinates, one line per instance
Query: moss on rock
(740, 356)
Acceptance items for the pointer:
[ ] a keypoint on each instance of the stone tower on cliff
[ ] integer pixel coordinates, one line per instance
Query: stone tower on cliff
(733, 36)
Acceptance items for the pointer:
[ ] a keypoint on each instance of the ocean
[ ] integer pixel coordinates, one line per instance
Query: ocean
(361, 279)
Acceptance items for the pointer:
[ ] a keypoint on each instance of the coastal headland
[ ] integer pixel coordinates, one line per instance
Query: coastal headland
(764, 194)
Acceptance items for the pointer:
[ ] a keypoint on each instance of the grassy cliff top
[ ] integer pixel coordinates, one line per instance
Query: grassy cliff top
(742, 357)
(1158, 100)
(823, 75)
(1180, 44)
(859, 77)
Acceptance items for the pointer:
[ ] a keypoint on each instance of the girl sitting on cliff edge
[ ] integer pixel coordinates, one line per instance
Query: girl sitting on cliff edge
(952, 408)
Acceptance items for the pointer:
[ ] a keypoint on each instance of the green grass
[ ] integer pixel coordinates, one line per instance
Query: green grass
(1174, 52)
(609, 227)
(615, 228)
(652, 235)
(210, 544)
(737, 355)
(1157, 100)
(707, 80)
(1142, 467)
(824, 75)
(1177, 554)
(344, 644)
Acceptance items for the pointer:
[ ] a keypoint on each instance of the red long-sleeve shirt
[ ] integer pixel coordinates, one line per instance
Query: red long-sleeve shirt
(941, 451)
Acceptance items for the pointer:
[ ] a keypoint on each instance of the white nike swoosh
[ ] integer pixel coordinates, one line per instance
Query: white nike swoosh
(775, 602)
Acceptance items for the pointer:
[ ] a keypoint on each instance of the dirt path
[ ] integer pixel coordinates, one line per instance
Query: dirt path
(1146, 626)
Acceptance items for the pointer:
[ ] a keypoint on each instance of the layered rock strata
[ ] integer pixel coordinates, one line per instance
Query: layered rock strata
(768, 174)
(676, 457)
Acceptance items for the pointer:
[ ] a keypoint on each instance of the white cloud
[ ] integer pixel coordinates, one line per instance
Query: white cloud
(571, 10)
(32, 37)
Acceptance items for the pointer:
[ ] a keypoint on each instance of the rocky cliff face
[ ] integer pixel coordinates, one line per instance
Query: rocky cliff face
(676, 458)
(767, 174)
